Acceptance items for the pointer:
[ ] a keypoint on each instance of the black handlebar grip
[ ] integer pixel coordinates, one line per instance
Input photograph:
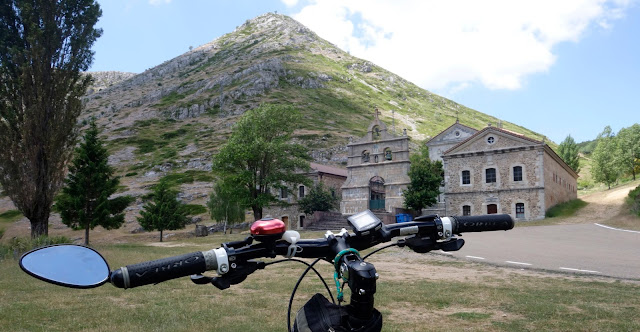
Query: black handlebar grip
(489, 222)
(160, 270)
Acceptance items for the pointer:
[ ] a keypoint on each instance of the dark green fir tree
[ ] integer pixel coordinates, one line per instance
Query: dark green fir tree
(85, 201)
(164, 211)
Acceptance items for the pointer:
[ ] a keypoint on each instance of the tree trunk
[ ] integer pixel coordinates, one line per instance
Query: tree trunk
(86, 235)
(160, 235)
(40, 220)
(257, 213)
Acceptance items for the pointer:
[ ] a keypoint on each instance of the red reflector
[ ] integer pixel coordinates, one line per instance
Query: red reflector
(268, 226)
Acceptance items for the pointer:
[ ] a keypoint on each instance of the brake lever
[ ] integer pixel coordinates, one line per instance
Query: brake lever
(236, 275)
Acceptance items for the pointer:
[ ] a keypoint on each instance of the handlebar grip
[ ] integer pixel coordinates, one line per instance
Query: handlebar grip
(490, 222)
(160, 270)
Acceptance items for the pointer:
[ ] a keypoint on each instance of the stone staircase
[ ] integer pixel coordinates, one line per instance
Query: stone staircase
(438, 208)
(328, 221)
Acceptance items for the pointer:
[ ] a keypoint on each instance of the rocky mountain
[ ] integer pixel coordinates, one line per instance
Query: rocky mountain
(172, 117)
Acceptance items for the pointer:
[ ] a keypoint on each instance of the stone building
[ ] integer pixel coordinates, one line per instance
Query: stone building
(333, 179)
(377, 171)
(499, 171)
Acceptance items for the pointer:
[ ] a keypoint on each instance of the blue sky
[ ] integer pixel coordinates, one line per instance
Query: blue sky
(560, 68)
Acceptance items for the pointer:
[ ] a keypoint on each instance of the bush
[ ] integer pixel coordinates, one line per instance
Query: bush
(565, 209)
(194, 209)
(633, 200)
(17, 246)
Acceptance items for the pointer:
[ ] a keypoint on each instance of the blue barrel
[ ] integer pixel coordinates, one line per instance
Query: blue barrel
(403, 217)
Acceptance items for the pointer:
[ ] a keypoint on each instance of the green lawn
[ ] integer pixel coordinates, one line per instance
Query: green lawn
(465, 296)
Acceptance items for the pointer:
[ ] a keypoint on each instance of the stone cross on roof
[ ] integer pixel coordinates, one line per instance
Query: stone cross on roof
(377, 113)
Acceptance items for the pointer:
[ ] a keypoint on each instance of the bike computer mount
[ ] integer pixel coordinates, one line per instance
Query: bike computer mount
(364, 223)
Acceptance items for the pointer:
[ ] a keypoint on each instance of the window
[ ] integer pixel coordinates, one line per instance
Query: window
(492, 209)
(301, 192)
(365, 156)
(387, 154)
(466, 177)
(301, 222)
(490, 175)
(517, 173)
(283, 193)
(519, 210)
(491, 139)
(466, 210)
(333, 192)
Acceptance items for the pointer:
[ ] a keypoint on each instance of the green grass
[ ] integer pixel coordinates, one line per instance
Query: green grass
(491, 300)
(565, 209)
(195, 209)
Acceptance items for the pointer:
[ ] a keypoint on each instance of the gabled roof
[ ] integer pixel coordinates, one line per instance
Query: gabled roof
(328, 169)
(490, 128)
(456, 124)
(519, 136)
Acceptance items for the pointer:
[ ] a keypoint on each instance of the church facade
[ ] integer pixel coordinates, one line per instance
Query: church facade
(377, 171)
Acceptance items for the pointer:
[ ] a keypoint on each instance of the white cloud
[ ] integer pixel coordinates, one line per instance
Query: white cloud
(158, 2)
(290, 3)
(451, 44)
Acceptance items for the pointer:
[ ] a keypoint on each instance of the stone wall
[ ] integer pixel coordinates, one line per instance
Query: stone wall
(502, 153)
(560, 184)
(377, 154)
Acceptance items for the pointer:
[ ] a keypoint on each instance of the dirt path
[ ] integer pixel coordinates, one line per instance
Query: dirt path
(604, 206)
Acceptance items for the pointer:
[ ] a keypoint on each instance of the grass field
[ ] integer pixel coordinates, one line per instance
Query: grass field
(416, 292)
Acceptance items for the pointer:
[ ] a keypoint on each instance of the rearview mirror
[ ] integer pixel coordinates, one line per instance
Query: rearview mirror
(67, 265)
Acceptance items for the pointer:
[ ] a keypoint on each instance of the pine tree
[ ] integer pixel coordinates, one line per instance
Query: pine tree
(568, 151)
(164, 212)
(84, 202)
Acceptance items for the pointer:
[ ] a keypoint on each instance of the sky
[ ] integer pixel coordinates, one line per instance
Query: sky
(568, 67)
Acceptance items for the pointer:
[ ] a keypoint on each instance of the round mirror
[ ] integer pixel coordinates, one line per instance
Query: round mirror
(67, 265)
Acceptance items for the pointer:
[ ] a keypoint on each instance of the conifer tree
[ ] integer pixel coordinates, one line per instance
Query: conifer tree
(164, 211)
(568, 151)
(84, 202)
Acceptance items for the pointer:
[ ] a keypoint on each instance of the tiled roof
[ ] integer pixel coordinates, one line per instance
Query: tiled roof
(329, 170)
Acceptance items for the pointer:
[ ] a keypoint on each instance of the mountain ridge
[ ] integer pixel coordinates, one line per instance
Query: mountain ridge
(174, 116)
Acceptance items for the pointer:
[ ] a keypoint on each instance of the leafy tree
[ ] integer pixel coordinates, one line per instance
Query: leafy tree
(426, 177)
(44, 47)
(605, 166)
(568, 151)
(629, 152)
(319, 198)
(164, 211)
(84, 202)
(224, 205)
(260, 155)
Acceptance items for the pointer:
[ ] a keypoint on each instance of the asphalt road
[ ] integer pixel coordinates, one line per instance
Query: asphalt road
(582, 248)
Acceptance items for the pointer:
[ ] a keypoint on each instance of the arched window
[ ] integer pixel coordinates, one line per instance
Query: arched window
(387, 154)
(365, 156)
(517, 173)
(376, 132)
(519, 210)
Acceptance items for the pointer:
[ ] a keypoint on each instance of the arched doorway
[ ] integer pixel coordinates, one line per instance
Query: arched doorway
(376, 193)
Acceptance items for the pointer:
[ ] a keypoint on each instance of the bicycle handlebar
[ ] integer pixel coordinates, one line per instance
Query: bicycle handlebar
(432, 228)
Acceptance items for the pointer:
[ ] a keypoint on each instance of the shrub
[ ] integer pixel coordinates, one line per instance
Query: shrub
(633, 200)
(565, 209)
(17, 246)
(194, 209)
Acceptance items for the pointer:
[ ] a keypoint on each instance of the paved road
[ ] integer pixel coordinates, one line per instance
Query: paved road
(581, 248)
